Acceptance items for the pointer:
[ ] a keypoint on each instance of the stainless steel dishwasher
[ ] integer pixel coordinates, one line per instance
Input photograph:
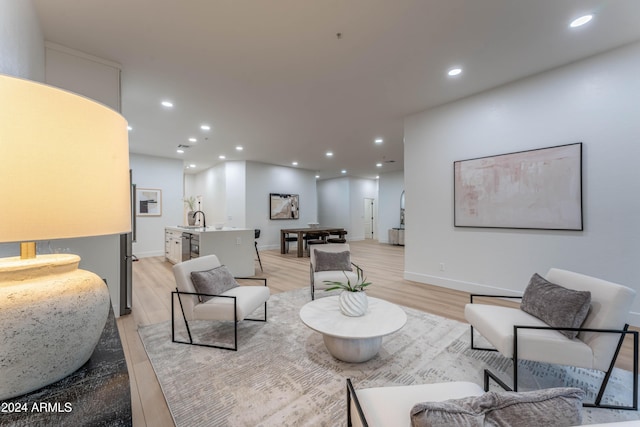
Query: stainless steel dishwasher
(194, 246)
(186, 246)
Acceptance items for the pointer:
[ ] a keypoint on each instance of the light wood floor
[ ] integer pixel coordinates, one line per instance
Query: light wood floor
(153, 282)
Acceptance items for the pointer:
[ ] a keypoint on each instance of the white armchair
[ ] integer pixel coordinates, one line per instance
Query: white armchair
(321, 270)
(232, 305)
(519, 335)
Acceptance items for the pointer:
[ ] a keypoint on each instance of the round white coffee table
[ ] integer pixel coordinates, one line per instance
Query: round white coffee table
(352, 339)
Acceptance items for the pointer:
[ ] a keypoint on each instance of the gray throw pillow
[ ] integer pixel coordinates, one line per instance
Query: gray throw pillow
(555, 305)
(554, 406)
(214, 282)
(332, 261)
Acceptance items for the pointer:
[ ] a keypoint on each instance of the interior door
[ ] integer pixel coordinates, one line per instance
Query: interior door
(369, 218)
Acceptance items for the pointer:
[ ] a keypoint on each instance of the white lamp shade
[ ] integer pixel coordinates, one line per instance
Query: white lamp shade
(64, 165)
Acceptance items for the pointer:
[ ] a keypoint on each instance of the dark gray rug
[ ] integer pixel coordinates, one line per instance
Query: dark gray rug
(282, 374)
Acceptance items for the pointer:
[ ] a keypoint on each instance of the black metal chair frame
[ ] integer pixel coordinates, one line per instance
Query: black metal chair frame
(351, 395)
(234, 347)
(256, 236)
(607, 375)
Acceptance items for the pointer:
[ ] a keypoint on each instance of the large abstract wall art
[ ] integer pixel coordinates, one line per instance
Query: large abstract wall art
(536, 189)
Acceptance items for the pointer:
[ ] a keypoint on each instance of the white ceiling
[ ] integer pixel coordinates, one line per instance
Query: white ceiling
(272, 75)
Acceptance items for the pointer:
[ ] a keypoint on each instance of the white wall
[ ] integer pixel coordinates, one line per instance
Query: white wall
(594, 101)
(263, 179)
(210, 187)
(334, 206)
(359, 189)
(390, 187)
(166, 175)
(222, 191)
(341, 203)
(84, 74)
(237, 194)
(236, 184)
(21, 40)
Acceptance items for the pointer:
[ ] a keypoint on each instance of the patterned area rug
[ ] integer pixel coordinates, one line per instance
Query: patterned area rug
(282, 374)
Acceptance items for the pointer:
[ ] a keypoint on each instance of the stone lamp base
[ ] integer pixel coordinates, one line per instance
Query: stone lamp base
(51, 318)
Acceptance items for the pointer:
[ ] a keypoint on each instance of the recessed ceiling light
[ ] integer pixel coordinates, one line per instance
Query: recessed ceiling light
(581, 21)
(317, 176)
(294, 163)
(377, 176)
(378, 165)
(343, 171)
(329, 153)
(239, 147)
(193, 140)
(167, 104)
(222, 157)
(378, 141)
(205, 127)
(454, 72)
(180, 151)
(192, 165)
(129, 128)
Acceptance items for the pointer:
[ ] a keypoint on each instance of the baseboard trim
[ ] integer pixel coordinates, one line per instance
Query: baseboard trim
(148, 254)
(458, 285)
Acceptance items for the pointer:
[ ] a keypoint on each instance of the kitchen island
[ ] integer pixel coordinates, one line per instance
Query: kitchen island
(234, 247)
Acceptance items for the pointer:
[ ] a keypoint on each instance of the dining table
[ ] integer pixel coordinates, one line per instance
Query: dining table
(301, 232)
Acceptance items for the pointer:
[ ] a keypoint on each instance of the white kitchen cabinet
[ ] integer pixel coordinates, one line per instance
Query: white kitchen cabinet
(172, 246)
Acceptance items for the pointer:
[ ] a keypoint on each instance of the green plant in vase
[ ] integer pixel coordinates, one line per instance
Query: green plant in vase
(358, 286)
(191, 204)
(353, 298)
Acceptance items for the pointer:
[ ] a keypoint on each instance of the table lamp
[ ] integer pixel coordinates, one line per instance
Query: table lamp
(64, 173)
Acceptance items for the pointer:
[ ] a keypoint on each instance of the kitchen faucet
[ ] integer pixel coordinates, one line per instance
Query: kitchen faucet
(204, 221)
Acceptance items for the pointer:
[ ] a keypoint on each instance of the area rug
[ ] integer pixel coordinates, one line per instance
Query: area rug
(282, 374)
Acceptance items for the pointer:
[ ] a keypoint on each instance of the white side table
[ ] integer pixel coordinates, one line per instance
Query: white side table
(353, 339)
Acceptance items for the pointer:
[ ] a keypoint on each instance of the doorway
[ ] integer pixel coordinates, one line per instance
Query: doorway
(369, 218)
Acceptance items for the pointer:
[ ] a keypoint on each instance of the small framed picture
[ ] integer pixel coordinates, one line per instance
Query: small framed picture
(148, 202)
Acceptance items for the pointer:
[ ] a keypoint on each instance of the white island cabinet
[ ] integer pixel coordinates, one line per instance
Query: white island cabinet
(234, 247)
(173, 245)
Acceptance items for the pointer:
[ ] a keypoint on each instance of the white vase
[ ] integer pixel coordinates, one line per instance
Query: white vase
(353, 304)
